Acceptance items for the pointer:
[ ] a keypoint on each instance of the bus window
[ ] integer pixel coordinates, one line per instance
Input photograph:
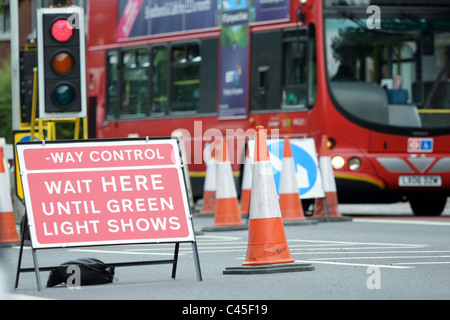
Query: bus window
(163, 83)
(135, 82)
(298, 70)
(283, 70)
(208, 74)
(185, 82)
(160, 56)
(403, 70)
(112, 81)
(294, 89)
(265, 83)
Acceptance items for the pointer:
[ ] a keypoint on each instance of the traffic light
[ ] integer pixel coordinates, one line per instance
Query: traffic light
(61, 62)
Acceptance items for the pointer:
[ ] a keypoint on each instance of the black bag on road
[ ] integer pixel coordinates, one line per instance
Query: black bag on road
(91, 271)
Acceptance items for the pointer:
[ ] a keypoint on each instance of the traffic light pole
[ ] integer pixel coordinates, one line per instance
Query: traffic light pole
(15, 63)
(34, 103)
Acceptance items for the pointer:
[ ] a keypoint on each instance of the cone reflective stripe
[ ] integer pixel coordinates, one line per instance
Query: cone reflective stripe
(329, 186)
(266, 240)
(209, 188)
(246, 185)
(8, 232)
(290, 203)
(227, 208)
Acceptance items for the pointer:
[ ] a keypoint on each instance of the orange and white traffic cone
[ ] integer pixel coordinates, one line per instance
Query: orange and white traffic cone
(8, 232)
(209, 188)
(267, 250)
(246, 185)
(289, 199)
(227, 215)
(267, 241)
(326, 209)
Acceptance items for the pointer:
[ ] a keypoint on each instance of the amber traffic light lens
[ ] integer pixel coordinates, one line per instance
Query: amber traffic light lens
(62, 30)
(63, 63)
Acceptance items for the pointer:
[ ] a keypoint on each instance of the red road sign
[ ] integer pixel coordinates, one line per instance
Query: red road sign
(104, 192)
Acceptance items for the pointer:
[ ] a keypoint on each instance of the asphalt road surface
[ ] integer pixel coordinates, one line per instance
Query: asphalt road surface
(383, 253)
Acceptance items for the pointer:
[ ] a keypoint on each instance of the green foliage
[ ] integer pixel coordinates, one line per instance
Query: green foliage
(235, 35)
(5, 102)
(66, 131)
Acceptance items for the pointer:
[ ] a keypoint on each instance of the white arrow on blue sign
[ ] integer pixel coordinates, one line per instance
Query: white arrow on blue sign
(308, 175)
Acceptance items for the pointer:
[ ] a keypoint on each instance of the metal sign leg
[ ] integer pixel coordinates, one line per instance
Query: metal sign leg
(36, 270)
(196, 261)
(25, 232)
(24, 235)
(175, 260)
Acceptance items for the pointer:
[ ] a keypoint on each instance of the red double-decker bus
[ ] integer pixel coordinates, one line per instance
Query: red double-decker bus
(373, 76)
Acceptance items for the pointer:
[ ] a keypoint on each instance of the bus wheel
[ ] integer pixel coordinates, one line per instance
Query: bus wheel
(427, 204)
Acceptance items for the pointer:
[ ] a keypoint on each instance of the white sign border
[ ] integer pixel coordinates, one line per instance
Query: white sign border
(22, 146)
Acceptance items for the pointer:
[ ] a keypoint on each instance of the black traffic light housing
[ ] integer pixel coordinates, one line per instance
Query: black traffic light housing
(61, 62)
(28, 61)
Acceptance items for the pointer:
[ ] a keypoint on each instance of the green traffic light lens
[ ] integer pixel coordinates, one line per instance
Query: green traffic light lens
(64, 95)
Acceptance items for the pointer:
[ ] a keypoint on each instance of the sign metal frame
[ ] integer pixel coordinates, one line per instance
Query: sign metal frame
(183, 206)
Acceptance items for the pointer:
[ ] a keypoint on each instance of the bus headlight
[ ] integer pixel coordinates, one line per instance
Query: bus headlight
(354, 164)
(338, 162)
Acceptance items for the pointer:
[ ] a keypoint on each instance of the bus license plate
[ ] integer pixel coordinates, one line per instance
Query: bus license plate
(419, 181)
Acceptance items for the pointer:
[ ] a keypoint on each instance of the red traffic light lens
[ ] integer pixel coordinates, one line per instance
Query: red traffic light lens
(62, 30)
(63, 63)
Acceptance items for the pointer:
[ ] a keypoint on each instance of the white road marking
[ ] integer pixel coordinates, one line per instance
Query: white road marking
(303, 248)
(355, 264)
(401, 221)
(374, 252)
(378, 257)
(428, 262)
